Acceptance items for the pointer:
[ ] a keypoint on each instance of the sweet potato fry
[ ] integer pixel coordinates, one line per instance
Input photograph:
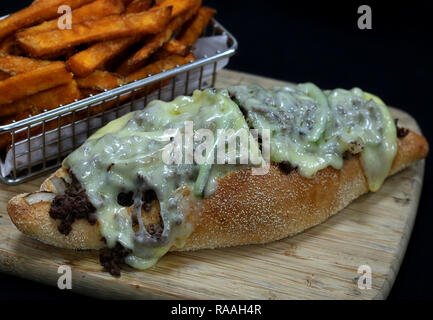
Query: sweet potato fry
(172, 47)
(85, 93)
(6, 139)
(9, 45)
(126, 2)
(138, 59)
(28, 83)
(100, 80)
(59, 55)
(155, 42)
(14, 65)
(155, 67)
(45, 100)
(106, 105)
(40, 2)
(37, 12)
(179, 6)
(195, 28)
(4, 75)
(139, 6)
(91, 11)
(167, 63)
(85, 62)
(176, 47)
(106, 28)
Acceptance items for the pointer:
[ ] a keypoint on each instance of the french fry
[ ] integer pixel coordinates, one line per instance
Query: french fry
(173, 47)
(155, 42)
(85, 62)
(105, 105)
(176, 47)
(45, 100)
(126, 2)
(179, 6)
(40, 2)
(14, 65)
(139, 6)
(6, 44)
(106, 28)
(91, 11)
(167, 63)
(153, 68)
(195, 28)
(34, 81)
(9, 45)
(4, 75)
(100, 80)
(37, 12)
(85, 93)
(6, 139)
(138, 59)
(60, 55)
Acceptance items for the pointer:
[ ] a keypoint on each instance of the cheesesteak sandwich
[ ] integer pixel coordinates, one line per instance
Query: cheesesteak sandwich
(318, 151)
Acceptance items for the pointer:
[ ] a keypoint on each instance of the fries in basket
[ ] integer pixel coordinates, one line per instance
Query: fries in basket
(109, 43)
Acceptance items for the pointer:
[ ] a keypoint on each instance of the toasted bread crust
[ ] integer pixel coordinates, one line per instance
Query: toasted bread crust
(245, 208)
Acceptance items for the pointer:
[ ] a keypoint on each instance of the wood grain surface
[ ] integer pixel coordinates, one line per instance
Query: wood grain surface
(321, 263)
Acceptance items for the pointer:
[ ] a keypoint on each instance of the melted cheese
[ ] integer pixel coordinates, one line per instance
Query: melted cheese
(310, 128)
(126, 155)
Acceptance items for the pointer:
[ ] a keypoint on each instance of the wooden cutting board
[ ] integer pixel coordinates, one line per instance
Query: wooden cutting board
(321, 263)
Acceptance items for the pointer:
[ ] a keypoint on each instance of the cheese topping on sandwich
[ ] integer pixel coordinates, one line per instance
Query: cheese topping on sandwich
(126, 157)
(310, 128)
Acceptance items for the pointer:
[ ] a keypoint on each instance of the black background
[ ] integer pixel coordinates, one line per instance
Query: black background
(320, 42)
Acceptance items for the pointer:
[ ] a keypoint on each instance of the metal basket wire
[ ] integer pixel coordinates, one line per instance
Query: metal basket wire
(39, 143)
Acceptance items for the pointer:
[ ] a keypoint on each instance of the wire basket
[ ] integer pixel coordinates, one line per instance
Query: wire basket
(39, 143)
